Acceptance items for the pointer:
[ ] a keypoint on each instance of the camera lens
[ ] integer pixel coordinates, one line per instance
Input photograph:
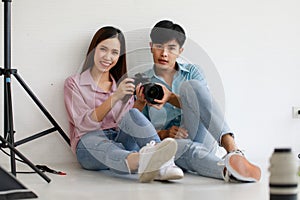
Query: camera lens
(283, 180)
(153, 91)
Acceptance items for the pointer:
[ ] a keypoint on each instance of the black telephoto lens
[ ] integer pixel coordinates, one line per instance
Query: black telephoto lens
(153, 91)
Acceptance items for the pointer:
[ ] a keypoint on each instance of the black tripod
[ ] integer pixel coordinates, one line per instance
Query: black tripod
(8, 140)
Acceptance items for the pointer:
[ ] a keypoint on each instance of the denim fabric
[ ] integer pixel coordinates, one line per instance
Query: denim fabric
(202, 117)
(170, 115)
(199, 114)
(195, 157)
(206, 125)
(108, 149)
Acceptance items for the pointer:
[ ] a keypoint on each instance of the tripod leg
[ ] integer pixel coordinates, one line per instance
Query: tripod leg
(8, 114)
(42, 108)
(8, 121)
(15, 151)
(10, 134)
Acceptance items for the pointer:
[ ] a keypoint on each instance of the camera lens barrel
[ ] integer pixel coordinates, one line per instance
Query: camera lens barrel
(283, 180)
(153, 91)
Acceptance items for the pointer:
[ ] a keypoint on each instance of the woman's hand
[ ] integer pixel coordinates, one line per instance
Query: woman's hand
(126, 87)
(139, 92)
(140, 101)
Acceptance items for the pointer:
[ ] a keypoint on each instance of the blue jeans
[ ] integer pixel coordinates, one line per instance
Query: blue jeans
(108, 149)
(206, 125)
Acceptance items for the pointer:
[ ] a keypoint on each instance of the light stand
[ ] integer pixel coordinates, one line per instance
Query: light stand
(8, 140)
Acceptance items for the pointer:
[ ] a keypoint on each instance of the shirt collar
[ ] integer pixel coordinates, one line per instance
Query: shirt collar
(180, 67)
(86, 78)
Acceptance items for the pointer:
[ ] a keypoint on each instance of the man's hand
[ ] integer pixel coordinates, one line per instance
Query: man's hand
(178, 133)
(169, 97)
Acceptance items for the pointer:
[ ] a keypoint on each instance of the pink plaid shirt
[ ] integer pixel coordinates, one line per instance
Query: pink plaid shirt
(82, 96)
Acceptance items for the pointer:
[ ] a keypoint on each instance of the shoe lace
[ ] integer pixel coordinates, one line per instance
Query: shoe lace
(151, 143)
(237, 151)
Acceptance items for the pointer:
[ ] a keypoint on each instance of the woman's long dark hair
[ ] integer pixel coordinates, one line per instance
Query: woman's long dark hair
(104, 33)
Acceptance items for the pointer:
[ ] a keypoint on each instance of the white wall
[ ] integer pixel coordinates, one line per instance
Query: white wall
(254, 46)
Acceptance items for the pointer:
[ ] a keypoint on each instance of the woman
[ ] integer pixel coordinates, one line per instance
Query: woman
(105, 127)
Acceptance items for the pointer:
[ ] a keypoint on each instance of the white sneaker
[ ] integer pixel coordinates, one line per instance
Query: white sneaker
(169, 171)
(239, 169)
(153, 156)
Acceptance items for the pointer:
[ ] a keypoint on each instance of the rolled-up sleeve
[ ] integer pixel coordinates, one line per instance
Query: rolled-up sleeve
(78, 110)
(82, 96)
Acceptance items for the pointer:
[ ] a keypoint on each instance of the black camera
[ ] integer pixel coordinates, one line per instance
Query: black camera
(151, 90)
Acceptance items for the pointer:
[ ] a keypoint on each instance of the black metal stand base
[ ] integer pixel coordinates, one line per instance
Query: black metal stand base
(11, 188)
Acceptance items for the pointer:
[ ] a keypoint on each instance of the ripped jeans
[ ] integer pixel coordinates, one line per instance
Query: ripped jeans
(108, 149)
(206, 125)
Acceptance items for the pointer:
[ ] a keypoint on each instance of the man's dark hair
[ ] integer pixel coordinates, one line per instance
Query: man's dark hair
(165, 31)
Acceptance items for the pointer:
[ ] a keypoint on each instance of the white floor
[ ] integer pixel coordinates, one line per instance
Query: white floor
(82, 184)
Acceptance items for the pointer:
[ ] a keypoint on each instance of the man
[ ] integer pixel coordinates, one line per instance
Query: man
(188, 113)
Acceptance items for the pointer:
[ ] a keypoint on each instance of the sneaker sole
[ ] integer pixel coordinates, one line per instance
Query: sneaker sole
(243, 170)
(169, 178)
(164, 152)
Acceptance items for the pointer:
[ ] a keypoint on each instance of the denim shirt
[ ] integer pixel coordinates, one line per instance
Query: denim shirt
(170, 115)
